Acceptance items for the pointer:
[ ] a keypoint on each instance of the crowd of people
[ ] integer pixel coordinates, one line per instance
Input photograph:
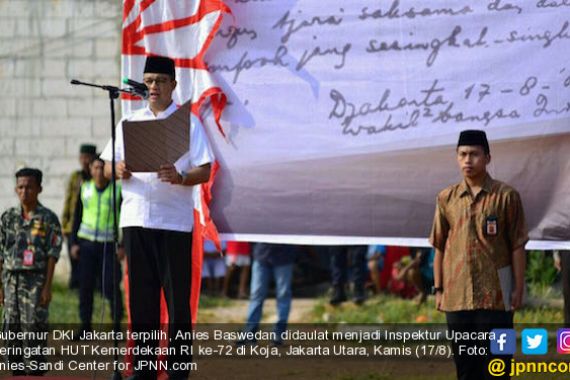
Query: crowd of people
(402, 271)
(240, 270)
(32, 237)
(475, 269)
(95, 263)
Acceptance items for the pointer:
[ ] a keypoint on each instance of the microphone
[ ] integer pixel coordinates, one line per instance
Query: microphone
(138, 88)
(135, 84)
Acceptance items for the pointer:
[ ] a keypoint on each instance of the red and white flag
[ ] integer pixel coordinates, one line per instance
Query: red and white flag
(182, 30)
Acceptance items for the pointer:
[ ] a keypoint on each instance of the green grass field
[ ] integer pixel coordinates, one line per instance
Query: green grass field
(64, 307)
(391, 309)
(378, 309)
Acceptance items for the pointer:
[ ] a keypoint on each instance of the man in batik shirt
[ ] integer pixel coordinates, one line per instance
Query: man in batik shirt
(479, 233)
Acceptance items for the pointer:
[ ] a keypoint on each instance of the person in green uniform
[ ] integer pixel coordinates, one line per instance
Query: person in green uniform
(30, 244)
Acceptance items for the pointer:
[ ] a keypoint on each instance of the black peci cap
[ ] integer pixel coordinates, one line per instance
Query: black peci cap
(474, 137)
(88, 148)
(160, 65)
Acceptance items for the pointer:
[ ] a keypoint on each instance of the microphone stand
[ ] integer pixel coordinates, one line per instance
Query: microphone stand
(113, 92)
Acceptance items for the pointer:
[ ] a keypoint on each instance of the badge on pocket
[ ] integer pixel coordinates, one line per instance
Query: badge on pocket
(491, 226)
(28, 258)
(38, 229)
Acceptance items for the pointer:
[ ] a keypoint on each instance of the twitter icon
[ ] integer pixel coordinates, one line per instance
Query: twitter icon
(534, 341)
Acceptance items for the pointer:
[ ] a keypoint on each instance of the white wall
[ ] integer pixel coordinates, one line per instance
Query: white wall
(44, 119)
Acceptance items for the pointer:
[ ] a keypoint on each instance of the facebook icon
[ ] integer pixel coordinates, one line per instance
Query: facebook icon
(503, 341)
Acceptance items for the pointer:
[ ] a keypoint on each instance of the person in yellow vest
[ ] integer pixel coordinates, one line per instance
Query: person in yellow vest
(87, 153)
(92, 240)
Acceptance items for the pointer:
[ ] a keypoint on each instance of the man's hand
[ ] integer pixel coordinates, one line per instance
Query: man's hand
(121, 170)
(516, 299)
(168, 173)
(519, 266)
(45, 297)
(438, 297)
(557, 264)
(74, 251)
(438, 276)
(121, 253)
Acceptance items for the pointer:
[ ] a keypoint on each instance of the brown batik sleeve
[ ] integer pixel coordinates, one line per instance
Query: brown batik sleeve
(516, 224)
(440, 227)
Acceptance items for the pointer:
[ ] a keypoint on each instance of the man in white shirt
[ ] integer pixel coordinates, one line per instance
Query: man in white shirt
(157, 222)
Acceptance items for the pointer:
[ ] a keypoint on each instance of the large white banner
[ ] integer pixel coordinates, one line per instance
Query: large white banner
(343, 116)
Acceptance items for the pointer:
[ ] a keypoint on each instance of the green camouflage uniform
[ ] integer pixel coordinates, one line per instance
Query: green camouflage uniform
(71, 195)
(23, 280)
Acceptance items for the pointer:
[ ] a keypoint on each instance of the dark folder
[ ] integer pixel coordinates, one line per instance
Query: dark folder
(151, 143)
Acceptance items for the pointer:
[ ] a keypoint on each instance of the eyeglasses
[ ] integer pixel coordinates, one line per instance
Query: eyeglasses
(159, 81)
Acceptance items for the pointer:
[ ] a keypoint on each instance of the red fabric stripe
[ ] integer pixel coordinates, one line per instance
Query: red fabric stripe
(190, 63)
(198, 61)
(203, 10)
(135, 35)
(210, 231)
(130, 342)
(145, 4)
(197, 257)
(200, 56)
(218, 101)
(131, 36)
(162, 375)
(127, 8)
(129, 97)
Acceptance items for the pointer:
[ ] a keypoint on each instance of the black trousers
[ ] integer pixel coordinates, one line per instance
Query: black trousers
(160, 260)
(339, 264)
(475, 367)
(565, 263)
(99, 259)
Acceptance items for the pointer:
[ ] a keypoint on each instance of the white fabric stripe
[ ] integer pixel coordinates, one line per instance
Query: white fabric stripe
(350, 240)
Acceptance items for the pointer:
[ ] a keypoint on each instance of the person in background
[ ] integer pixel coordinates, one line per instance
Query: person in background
(87, 153)
(213, 268)
(393, 255)
(271, 261)
(92, 239)
(375, 257)
(340, 256)
(418, 272)
(562, 264)
(30, 244)
(399, 283)
(237, 258)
